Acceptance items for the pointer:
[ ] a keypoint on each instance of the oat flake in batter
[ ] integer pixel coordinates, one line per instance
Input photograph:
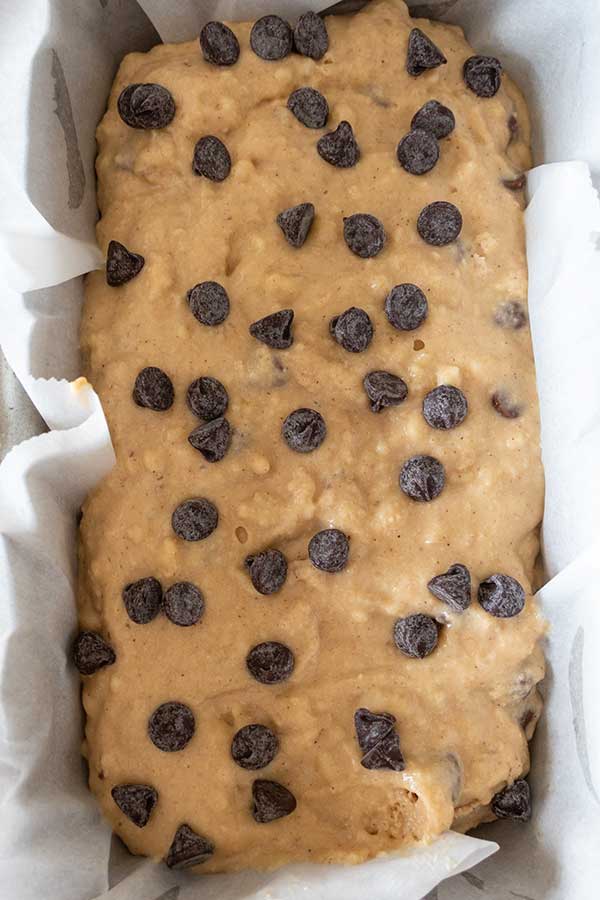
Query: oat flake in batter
(308, 629)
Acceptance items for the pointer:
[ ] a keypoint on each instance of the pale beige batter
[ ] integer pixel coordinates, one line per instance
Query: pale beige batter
(465, 712)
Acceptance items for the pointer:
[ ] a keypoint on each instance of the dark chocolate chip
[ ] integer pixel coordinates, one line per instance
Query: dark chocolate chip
(453, 587)
(501, 596)
(211, 158)
(422, 478)
(171, 726)
(418, 151)
(445, 407)
(372, 727)
(514, 802)
(195, 520)
(184, 604)
(510, 315)
(385, 755)
(364, 235)
(352, 330)
(143, 600)
(121, 264)
(270, 662)
(422, 53)
(384, 389)
(513, 128)
(271, 801)
(209, 302)
(435, 118)
(207, 398)
(304, 430)
(153, 389)
(295, 223)
(219, 44)
(268, 570)
(339, 147)
(91, 652)
(146, 106)
(309, 106)
(482, 75)
(328, 550)
(505, 406)
(212, 439)
(254, 746)
(271, 38)
(406, 307)
(188, 849)
(136, 801)
(275, 330)
(310, 36)
(439, 223)
(515, 184)
(416, 635)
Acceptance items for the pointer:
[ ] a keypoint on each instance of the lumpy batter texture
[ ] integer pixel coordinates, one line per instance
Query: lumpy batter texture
(308, 629)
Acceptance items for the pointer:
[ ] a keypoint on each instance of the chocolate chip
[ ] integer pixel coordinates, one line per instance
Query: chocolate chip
(295, 223)
(339, 147)
(482, 75)
(439, 223)
(91, 652)
(207, 398)
(514, 802)
(254, 746)
(219, 44)
(503, 405)
(270, 662)
(271, 801)
(271, 38)
(153, 389)
(515, 184)
(435, 118)
(146, 106)
(501, 596)
(422, 53)
(328, 550)
(143, 600)
(195, 520)
(445, 407)
(136, 801)
(309, 106)
(304, 430)
(453, 587)
(513, 128)
(211, 158)
(372, 727)
(385, 755)
(422, 478)
(310, 36)
(184, 604)
(212, 439)
(364, 235)
(418, 151)
(188, 849)
(268, 570)
(121, 264)
(406, 307)
(209, 302)
(510, 315)
(352, 330)
(171, 726)
(384, 389)
(275, 330)
(416, 635)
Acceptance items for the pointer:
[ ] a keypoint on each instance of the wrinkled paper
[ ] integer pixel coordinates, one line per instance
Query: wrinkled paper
(57, 67)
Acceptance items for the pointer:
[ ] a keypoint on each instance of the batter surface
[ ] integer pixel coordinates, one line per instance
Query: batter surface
(391, 707)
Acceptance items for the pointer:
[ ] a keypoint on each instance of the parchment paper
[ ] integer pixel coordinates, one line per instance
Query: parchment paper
(53, 844)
